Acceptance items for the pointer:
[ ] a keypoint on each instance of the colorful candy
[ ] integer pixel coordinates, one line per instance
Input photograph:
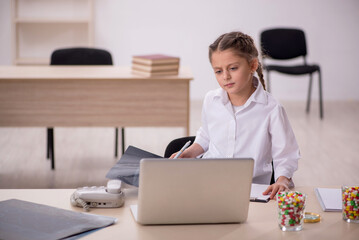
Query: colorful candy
(290, 210)
(350, 203)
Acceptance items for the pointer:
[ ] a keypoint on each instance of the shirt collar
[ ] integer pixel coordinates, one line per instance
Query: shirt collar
(258, 96)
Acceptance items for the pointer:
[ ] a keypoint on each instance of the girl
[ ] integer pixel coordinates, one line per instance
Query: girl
(241, 119)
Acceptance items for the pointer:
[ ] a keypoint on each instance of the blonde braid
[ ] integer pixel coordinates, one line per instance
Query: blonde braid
(260, 74)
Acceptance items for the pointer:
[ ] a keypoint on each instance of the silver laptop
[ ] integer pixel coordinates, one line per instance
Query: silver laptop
(186, 191)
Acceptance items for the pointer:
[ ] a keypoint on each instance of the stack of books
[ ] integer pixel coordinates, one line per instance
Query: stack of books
(155, 65)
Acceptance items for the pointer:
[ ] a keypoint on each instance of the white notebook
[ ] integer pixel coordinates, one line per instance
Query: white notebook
(256, 193)
(330, 199)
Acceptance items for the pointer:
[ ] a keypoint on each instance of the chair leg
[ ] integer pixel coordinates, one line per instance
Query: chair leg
(123, 140)
(320, 95)
(48, 133)
(309, 93)
(116, 142)
(268, 82)
(51, 148)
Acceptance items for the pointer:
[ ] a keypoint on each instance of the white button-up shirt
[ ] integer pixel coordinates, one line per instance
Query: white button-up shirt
(259, 130)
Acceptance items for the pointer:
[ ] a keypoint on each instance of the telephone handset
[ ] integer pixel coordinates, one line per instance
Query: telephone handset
(100, 197)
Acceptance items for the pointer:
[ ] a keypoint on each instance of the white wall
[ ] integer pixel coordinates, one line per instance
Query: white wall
(186, 27)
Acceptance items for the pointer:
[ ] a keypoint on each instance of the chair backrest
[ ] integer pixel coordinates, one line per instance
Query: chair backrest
(283, 43)
(81, 56)
(176, 145)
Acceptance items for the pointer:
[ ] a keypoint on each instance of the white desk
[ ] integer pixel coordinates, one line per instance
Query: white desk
(261, 222)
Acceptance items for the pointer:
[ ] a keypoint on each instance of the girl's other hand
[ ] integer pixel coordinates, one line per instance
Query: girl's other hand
(282, 184)
(193, 151)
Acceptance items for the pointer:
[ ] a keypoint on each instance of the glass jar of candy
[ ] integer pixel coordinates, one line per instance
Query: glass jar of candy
(290, 207)
(350, 200)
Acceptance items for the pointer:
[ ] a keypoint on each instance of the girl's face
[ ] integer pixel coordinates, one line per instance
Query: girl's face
(233, 73)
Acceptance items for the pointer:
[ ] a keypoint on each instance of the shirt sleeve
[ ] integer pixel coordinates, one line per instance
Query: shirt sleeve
(202, 136)
(285, 150)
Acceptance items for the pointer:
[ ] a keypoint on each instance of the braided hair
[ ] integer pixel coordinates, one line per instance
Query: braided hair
(242, 45)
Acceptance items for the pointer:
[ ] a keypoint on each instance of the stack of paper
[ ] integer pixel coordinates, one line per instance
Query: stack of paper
(330, 199)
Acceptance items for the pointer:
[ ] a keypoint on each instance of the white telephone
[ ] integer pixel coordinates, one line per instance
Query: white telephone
(100, 197)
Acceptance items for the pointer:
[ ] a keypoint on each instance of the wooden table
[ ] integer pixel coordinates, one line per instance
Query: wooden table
(261, 222)
(85, 96)
(74, 96)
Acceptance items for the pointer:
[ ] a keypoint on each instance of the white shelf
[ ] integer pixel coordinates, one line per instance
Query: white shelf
(41, 26)
(50, 21)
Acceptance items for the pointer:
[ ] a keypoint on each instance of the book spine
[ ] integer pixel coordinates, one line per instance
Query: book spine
(155, 68)
(151, 74)
(150, 62)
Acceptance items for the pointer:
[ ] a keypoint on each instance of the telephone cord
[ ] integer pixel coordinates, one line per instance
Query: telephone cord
(75, 200)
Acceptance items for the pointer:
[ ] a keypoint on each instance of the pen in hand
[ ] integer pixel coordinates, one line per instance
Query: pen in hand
(182, 149)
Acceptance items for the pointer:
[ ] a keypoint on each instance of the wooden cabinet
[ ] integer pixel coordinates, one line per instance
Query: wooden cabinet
(41, 26)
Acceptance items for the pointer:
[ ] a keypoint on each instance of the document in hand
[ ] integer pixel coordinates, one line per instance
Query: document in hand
(330, 199)
(24, 220)
(127, 169)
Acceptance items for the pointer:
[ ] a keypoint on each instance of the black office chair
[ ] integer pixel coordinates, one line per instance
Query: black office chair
(176, 145)
(79, 56)
(284, 44)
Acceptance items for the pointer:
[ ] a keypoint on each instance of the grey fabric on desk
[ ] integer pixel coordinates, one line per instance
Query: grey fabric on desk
(26, 220)
(127, 169)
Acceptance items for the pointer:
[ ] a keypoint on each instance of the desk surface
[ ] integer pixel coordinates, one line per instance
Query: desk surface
(261, 222)
(82, 72)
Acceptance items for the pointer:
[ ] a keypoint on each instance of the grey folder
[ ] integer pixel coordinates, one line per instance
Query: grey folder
(127, 169)
(26, 220)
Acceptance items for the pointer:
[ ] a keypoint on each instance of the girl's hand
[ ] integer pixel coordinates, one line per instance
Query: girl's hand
(185, 154)
(282, 184)
(191, 152)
